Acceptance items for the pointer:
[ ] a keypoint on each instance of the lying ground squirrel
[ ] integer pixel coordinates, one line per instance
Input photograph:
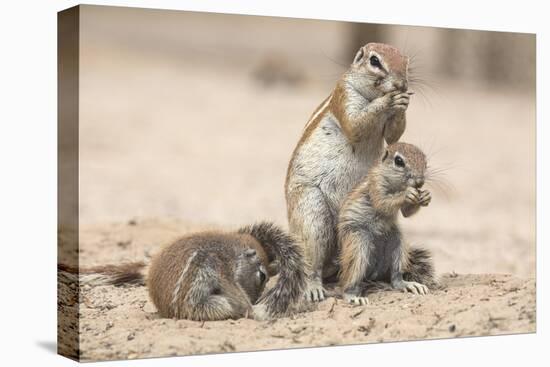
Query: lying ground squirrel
(216, 275)
(371, 244)
(342, 140)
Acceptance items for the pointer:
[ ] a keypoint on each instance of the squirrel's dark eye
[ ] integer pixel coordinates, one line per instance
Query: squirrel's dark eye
(399, 161)
(374, 61)
(262, 276)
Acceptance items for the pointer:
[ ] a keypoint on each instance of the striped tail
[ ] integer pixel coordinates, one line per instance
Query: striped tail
(126, 273)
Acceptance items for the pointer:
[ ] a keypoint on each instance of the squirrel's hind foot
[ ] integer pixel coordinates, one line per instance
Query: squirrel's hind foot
(315, 291)
(413, 287)
(356, 300)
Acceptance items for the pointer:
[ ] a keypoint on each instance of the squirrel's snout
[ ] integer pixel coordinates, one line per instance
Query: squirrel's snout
(401, 84)
(418, 182)
(415, 181)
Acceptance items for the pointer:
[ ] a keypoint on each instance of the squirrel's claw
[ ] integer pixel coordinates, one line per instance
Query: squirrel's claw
(425, 198)
(315, 292)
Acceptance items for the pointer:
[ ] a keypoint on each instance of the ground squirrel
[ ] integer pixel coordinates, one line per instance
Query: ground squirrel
(342, 140)
(216, 275)
(370, 242)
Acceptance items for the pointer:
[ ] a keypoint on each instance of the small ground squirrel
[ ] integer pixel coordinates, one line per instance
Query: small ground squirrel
(215, 275)
(371, 245)
(342, 140)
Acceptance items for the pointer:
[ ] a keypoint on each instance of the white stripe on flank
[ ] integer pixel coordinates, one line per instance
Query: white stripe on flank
(176, 292)
(325, 105)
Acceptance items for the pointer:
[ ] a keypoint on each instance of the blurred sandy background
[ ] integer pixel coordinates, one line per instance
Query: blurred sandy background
(194, 116)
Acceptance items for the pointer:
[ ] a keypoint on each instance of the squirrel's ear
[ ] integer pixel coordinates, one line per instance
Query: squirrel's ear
(385, 155)
(359, 56)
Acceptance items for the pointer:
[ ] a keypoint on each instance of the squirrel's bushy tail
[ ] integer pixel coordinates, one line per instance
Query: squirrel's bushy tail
(126, 273)
(280, 247)
(419, 267)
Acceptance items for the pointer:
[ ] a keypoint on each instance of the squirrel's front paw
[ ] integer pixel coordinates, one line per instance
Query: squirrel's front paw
(413, 196)
(425, 197)
(413, 287)
(400, 100)
(384, 103)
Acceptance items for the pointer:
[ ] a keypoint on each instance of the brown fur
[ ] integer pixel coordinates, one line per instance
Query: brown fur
(214, 275)
(392, 56)
(195, 277)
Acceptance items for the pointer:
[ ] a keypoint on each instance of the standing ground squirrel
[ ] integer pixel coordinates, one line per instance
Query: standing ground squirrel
(215, 275)
(371, 245)
(342, 140)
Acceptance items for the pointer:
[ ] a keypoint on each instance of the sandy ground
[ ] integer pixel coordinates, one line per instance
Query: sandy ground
(121, 322)
(179, 140)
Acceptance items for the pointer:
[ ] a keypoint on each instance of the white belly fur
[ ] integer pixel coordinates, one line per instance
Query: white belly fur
(327, 160)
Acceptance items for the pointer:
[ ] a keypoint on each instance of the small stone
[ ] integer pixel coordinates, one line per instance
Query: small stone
(124, 244)
(109, 325)
(298, 330)
(131, 336)
(452, 328)
(228, 346)
(107, 306)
